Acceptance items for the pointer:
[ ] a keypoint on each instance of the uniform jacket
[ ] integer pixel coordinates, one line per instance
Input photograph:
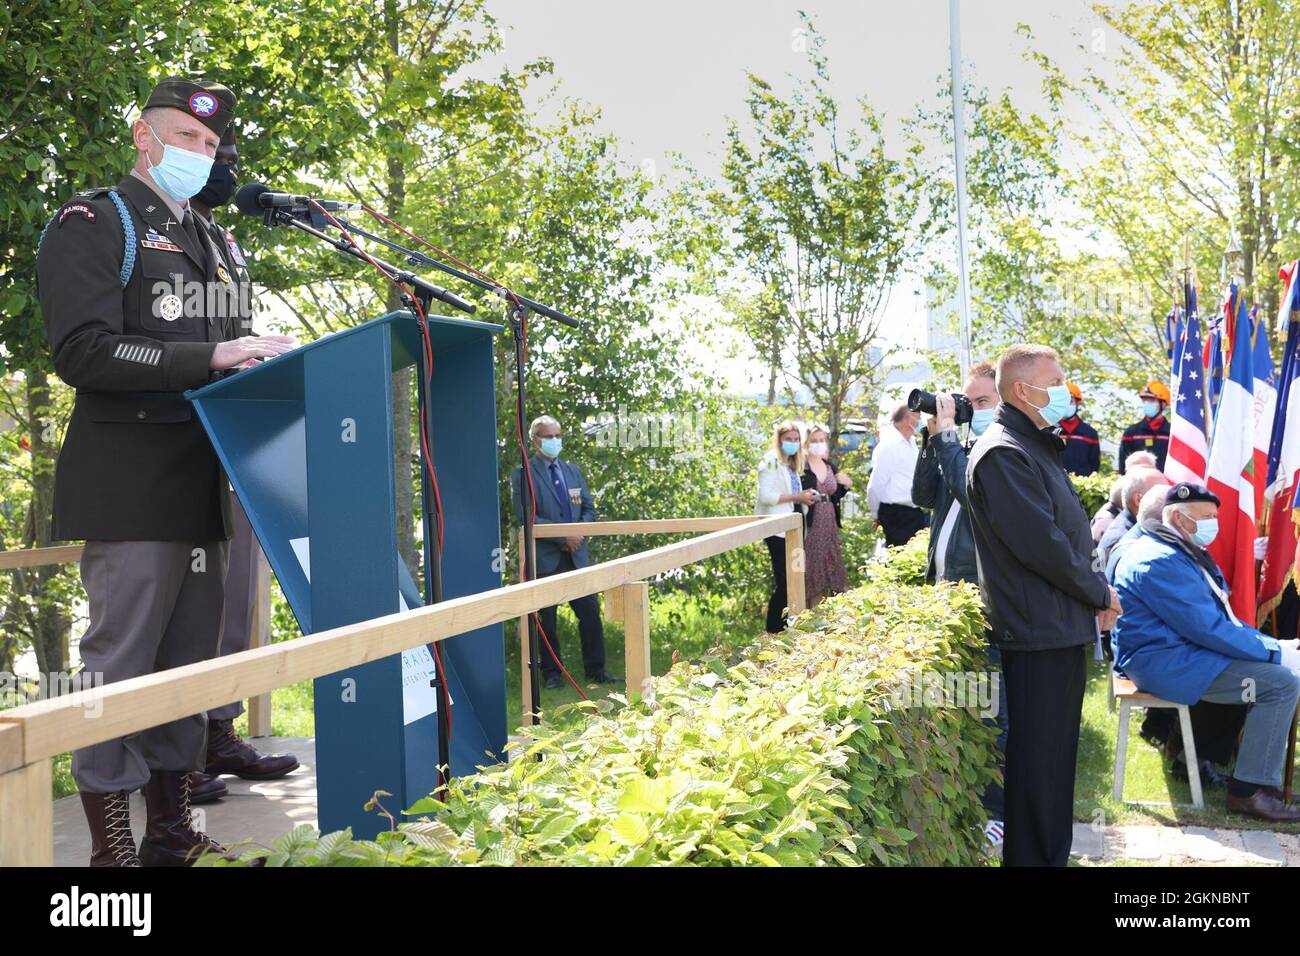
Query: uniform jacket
(938, 482)
(135, 462)
(1082, 452)
(1175, 635)
(1033, 543)
(550, 509)
(1150, 434)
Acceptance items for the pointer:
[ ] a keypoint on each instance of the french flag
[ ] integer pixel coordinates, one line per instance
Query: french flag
(1283, 469)
(1231, 466)
(1187, 446)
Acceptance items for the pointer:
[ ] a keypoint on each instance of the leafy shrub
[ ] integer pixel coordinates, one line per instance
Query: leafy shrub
(1093, 490)
(904, 564)
(796, 753)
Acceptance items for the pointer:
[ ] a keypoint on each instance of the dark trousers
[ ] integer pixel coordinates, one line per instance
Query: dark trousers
(900, 523)
(994, 798)
(1045, 705)
(241, 597)
(776, 604)
(591, 630)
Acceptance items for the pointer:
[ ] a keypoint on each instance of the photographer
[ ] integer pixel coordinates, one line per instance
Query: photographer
(940, 483)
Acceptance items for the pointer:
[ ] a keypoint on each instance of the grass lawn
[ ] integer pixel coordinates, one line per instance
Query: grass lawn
(1147, 776)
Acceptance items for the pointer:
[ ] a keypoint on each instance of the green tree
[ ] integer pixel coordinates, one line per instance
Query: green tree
(826, 223)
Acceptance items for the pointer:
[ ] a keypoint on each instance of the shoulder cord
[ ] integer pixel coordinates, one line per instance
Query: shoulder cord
(128, 234)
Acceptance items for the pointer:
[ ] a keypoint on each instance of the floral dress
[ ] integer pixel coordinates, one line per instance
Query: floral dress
(824, 572)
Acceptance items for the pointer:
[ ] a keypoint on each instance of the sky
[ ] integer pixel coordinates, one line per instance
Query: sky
(667, 75)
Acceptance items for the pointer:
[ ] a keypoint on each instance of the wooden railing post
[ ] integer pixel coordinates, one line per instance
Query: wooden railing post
(636, 635)
(26, 810)
(259, 707)
(795, 596)
(526, 685)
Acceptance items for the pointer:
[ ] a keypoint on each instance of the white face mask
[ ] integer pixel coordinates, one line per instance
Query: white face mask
(818, 448)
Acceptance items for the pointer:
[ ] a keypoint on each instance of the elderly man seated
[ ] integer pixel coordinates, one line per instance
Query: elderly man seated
(1178, 639)
(1135, 483)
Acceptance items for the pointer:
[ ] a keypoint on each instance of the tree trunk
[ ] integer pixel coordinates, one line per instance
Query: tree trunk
(51, 621)
(403, 418)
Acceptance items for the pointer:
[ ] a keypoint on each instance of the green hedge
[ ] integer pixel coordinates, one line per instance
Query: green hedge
(1093, 490)
(793, 753)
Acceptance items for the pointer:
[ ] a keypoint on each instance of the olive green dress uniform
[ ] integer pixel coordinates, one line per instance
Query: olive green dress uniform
(137, 477)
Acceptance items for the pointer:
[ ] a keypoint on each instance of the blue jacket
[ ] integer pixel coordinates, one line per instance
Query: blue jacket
(550, 510)
(939, 483)
(1174, 637)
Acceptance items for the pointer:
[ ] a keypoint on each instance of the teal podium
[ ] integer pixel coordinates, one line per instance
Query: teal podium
(307, 441)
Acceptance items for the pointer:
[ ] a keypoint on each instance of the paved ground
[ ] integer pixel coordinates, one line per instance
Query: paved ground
(1189, 846)
(265, 811)
(260, 811)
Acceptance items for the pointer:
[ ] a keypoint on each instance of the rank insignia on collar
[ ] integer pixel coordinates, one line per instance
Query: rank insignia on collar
(222, 274)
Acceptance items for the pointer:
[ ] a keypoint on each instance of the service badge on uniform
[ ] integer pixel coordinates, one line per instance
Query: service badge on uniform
(170, 307)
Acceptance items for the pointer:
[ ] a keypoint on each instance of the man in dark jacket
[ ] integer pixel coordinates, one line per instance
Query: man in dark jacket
(939, 483)
(1044, 598)
(1151, 434)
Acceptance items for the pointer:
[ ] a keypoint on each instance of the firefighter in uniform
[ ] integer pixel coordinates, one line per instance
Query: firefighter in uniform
(135, 304)
(227, 750)
(1152, 432)
(1082, 452)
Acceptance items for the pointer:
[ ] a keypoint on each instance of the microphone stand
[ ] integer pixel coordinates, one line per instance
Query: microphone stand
(517, 309)
(425, 292)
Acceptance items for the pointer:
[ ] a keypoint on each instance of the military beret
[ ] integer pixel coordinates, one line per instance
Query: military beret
(1185, 492)
(211, 104)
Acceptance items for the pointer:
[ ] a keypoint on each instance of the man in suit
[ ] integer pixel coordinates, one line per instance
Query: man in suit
(561, 496)
(132, 296)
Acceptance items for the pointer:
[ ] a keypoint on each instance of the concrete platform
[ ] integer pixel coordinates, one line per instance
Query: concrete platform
(253, 810)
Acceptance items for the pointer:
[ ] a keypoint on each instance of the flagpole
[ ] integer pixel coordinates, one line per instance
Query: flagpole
(959, 160)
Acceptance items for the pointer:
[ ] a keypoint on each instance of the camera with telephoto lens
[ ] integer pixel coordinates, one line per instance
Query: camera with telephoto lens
(922, 401)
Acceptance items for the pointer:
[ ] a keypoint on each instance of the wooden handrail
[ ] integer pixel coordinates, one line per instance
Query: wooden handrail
(32, 734)
(592, 529)
(36, 557)
(64, 723)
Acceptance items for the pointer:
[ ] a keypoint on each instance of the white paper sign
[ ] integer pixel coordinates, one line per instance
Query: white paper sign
(419, 699)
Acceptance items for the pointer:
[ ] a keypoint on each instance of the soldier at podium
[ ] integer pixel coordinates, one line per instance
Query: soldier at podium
(228, 752)
(133, 297)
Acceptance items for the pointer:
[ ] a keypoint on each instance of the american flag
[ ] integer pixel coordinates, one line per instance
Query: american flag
(1188, 449)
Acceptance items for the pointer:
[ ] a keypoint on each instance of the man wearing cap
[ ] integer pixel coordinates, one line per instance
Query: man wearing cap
(227, 751)
(135, 304)
(1152, 432)
(1179, 639)
(1082, 452)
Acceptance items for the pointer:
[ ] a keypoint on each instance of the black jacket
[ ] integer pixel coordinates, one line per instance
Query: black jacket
(938, 481)
(136, 463)
(1032, 539)
(809, 480)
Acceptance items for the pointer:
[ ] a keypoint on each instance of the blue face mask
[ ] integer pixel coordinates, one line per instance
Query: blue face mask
(981, 419)
(181, 174)
(1150, 408)
(789, 448)
(1059, 403)
(1207, 529)
(551, 447)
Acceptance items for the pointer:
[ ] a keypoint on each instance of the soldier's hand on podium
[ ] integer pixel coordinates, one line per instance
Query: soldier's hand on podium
(238, 352)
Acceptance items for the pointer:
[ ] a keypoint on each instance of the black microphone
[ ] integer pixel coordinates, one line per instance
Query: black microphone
(254, 199)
